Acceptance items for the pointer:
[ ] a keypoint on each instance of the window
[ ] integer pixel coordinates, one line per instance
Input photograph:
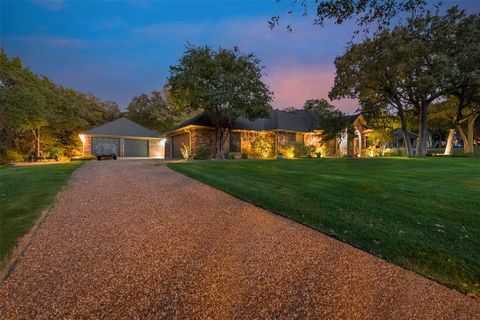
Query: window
(299, 138)
(291, 138)
(234, 141)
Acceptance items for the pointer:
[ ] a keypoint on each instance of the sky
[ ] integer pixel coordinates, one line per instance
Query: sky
(119, 49)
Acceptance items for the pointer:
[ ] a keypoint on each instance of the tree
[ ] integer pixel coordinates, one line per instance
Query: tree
(23, 100)
(371, 71)
(41, 116)
(366, 12)
(382, 125)
(153, 112)
(464, 74)
(334, 123)
(226, 84)
(408, 67)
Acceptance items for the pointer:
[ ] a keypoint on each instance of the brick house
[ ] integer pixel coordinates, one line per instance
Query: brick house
(281, 128)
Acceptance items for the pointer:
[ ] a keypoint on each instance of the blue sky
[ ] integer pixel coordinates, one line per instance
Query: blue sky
(119, 49)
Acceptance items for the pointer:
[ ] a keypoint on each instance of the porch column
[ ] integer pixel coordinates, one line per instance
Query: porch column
(360, 142)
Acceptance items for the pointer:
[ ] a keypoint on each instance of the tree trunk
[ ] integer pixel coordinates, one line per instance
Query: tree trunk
(36, 135)
(220, 139)
(468, 138)
(451, 133)
(403, 121)
(470, 127)
(423, 132)
(449, 146)
(466, 145)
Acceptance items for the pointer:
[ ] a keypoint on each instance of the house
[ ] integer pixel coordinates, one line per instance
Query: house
(398, 140)
(281, 128)
(128, 138)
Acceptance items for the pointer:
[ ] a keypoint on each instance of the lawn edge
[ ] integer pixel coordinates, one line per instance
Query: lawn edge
(7, 266)
(283, 215)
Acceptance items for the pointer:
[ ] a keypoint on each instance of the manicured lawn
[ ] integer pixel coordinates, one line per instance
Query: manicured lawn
(24, 193)
(422, 214)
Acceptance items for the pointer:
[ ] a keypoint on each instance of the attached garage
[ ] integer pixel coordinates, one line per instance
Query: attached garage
(177, 142)
(135, 148)
(127, 138)
(99, 144)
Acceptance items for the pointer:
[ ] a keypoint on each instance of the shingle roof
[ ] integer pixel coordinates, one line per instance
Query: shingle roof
(122, 127)
(300, 120)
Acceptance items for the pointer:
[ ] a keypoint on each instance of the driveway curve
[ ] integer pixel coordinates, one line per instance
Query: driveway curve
(134, 239)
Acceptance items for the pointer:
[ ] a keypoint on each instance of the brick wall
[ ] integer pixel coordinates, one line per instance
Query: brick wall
(87, 149)
(202, 138)
(156, 148)
(168, 146)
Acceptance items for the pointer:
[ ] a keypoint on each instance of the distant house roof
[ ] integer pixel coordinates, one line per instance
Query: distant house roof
(300, 120)
(122, 127)
(398, 134)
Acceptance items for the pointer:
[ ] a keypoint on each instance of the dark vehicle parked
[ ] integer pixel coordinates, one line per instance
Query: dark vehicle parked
(106, 150)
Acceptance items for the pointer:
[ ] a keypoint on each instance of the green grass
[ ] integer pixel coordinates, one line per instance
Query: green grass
(24, 193)
(422, 214)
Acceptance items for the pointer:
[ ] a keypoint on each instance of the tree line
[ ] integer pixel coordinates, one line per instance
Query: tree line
(40, 119)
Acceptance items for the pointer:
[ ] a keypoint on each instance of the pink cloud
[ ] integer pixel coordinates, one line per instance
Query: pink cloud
(293, 85)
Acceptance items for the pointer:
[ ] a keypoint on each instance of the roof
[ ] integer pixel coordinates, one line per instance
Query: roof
(122, 127)
(398, 133)
(300, 120)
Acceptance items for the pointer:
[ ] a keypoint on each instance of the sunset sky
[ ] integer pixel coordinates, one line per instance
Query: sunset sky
(117, 50)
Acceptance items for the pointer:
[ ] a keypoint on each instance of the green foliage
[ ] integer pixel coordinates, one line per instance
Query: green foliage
(154, 112)
(186, 151)
(368, 203)
(83, 158)
(301, 151)
(203, 153)
(262, 148)
(36, 112)
(366, 12)
(10, 156)
(411, 66)
(244, 155)
(226, 84)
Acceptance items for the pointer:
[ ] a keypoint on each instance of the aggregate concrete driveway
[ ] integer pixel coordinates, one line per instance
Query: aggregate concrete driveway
(128, 239)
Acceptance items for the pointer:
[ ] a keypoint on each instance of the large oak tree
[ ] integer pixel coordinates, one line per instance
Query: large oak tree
(224, 83)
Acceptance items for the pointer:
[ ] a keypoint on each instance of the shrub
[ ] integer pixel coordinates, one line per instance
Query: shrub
(83, 158)
(300, 151)
(312, 151)
(297, 150)
(288, 152)
(244, 155)
(186, 151)
(203, 153)
(10, 156)
(390, 152)
(262, 148)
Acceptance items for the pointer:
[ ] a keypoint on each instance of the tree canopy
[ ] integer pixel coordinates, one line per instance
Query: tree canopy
(224, 83)
(410, 67)
(39, 117)
(365, 12)
(154, 112)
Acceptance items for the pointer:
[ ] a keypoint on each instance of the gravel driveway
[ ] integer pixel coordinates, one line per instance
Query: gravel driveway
(130, 239)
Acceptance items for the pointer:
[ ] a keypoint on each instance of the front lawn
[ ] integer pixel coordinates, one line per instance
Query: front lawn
(422, 214)
(24, 193)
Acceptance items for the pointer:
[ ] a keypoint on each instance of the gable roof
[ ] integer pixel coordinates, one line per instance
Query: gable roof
(300, 120)
(122, 127)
